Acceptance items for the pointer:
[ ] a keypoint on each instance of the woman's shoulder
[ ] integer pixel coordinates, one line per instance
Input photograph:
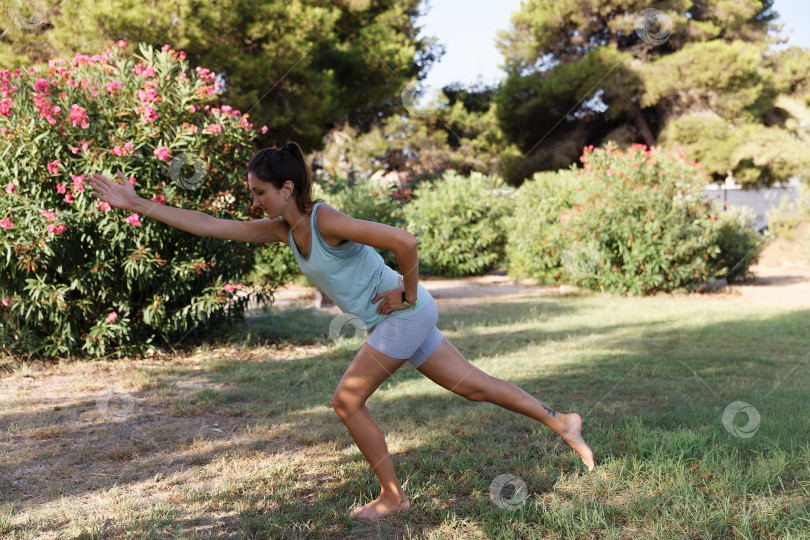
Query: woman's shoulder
(326, 215)
(329, 223)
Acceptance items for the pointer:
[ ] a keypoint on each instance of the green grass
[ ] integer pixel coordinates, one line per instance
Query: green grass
(651, 377)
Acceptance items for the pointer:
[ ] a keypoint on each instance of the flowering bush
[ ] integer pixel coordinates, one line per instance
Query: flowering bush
(631, 222)
(77, 275)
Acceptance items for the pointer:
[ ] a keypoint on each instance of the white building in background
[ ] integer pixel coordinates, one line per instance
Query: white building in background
(759, 200)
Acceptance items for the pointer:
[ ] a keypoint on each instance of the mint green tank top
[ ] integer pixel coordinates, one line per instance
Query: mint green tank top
(351, 274)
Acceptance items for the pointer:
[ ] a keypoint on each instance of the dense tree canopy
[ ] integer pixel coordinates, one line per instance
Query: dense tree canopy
(299, 67)
(704, 79)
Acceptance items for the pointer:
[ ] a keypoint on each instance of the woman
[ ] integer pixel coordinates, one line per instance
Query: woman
(336, 253)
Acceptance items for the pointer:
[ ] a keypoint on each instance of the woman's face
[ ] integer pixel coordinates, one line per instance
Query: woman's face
(266, 196)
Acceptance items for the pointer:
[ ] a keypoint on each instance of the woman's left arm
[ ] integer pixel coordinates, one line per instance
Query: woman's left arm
(403, 243)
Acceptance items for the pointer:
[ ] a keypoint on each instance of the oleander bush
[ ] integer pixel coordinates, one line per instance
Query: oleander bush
(77, 277)
(632, 223)
(459, 222)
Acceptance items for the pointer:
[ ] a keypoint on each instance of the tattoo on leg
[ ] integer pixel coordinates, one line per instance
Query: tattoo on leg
(550, 411)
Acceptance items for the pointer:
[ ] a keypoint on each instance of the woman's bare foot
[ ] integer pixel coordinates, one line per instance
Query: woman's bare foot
(572, 434)
(381, 506)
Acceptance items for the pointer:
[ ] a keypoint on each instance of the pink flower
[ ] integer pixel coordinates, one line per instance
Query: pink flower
(609, 172)
(74, 149)
(122, 43)
(159, 198)
(79, 116)
(228, 287)
(239, 286)
(78, 182)
(5, 301)
(85, 146)
(42, 86)
(149, 93)
(69, 197)
(134, 219)
(264, 130)
(53, 166)
(122, 150)
(48, 215)
(214, 128)
(132, 180)
(114, 86)
(149, 114)
(111, 317)
(60, 188)
(6, 224)
(5, 106)
(163, 153)
(9, 188)
(104, 205)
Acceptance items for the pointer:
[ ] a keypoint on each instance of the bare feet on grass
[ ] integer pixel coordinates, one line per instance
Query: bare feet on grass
(381, 506)
(572, 434)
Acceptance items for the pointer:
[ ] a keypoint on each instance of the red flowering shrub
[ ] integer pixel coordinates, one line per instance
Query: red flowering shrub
(77, 275)
(628, 223)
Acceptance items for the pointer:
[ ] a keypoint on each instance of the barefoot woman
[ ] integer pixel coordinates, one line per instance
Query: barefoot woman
(336, 253)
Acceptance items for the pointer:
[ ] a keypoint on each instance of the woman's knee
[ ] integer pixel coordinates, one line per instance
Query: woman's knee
(345, 402)
(479, 388)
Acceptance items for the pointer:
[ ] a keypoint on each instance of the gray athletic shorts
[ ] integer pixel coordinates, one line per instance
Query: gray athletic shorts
(414, 337)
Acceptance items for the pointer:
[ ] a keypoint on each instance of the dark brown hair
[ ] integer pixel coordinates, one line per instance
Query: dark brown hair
(277, 165)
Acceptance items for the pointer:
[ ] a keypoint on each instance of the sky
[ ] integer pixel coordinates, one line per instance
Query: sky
(467, 29)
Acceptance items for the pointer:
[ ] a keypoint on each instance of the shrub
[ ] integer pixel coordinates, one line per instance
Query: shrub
(75, 276)
(635, 223)
(739, 243)
(784, 218)
(530, 251)
(459, 222)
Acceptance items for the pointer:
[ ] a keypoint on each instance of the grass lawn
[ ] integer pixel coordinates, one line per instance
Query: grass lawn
(240, 441)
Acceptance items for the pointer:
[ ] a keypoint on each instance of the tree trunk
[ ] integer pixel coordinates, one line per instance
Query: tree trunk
(641, 124)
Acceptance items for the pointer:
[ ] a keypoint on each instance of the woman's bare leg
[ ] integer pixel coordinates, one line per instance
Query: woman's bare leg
(448, 368)
(364, 375)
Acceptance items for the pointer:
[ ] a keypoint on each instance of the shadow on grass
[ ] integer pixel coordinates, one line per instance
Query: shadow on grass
(641, 398)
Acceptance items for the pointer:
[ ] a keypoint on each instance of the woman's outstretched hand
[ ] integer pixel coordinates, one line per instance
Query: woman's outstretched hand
(116, 195)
